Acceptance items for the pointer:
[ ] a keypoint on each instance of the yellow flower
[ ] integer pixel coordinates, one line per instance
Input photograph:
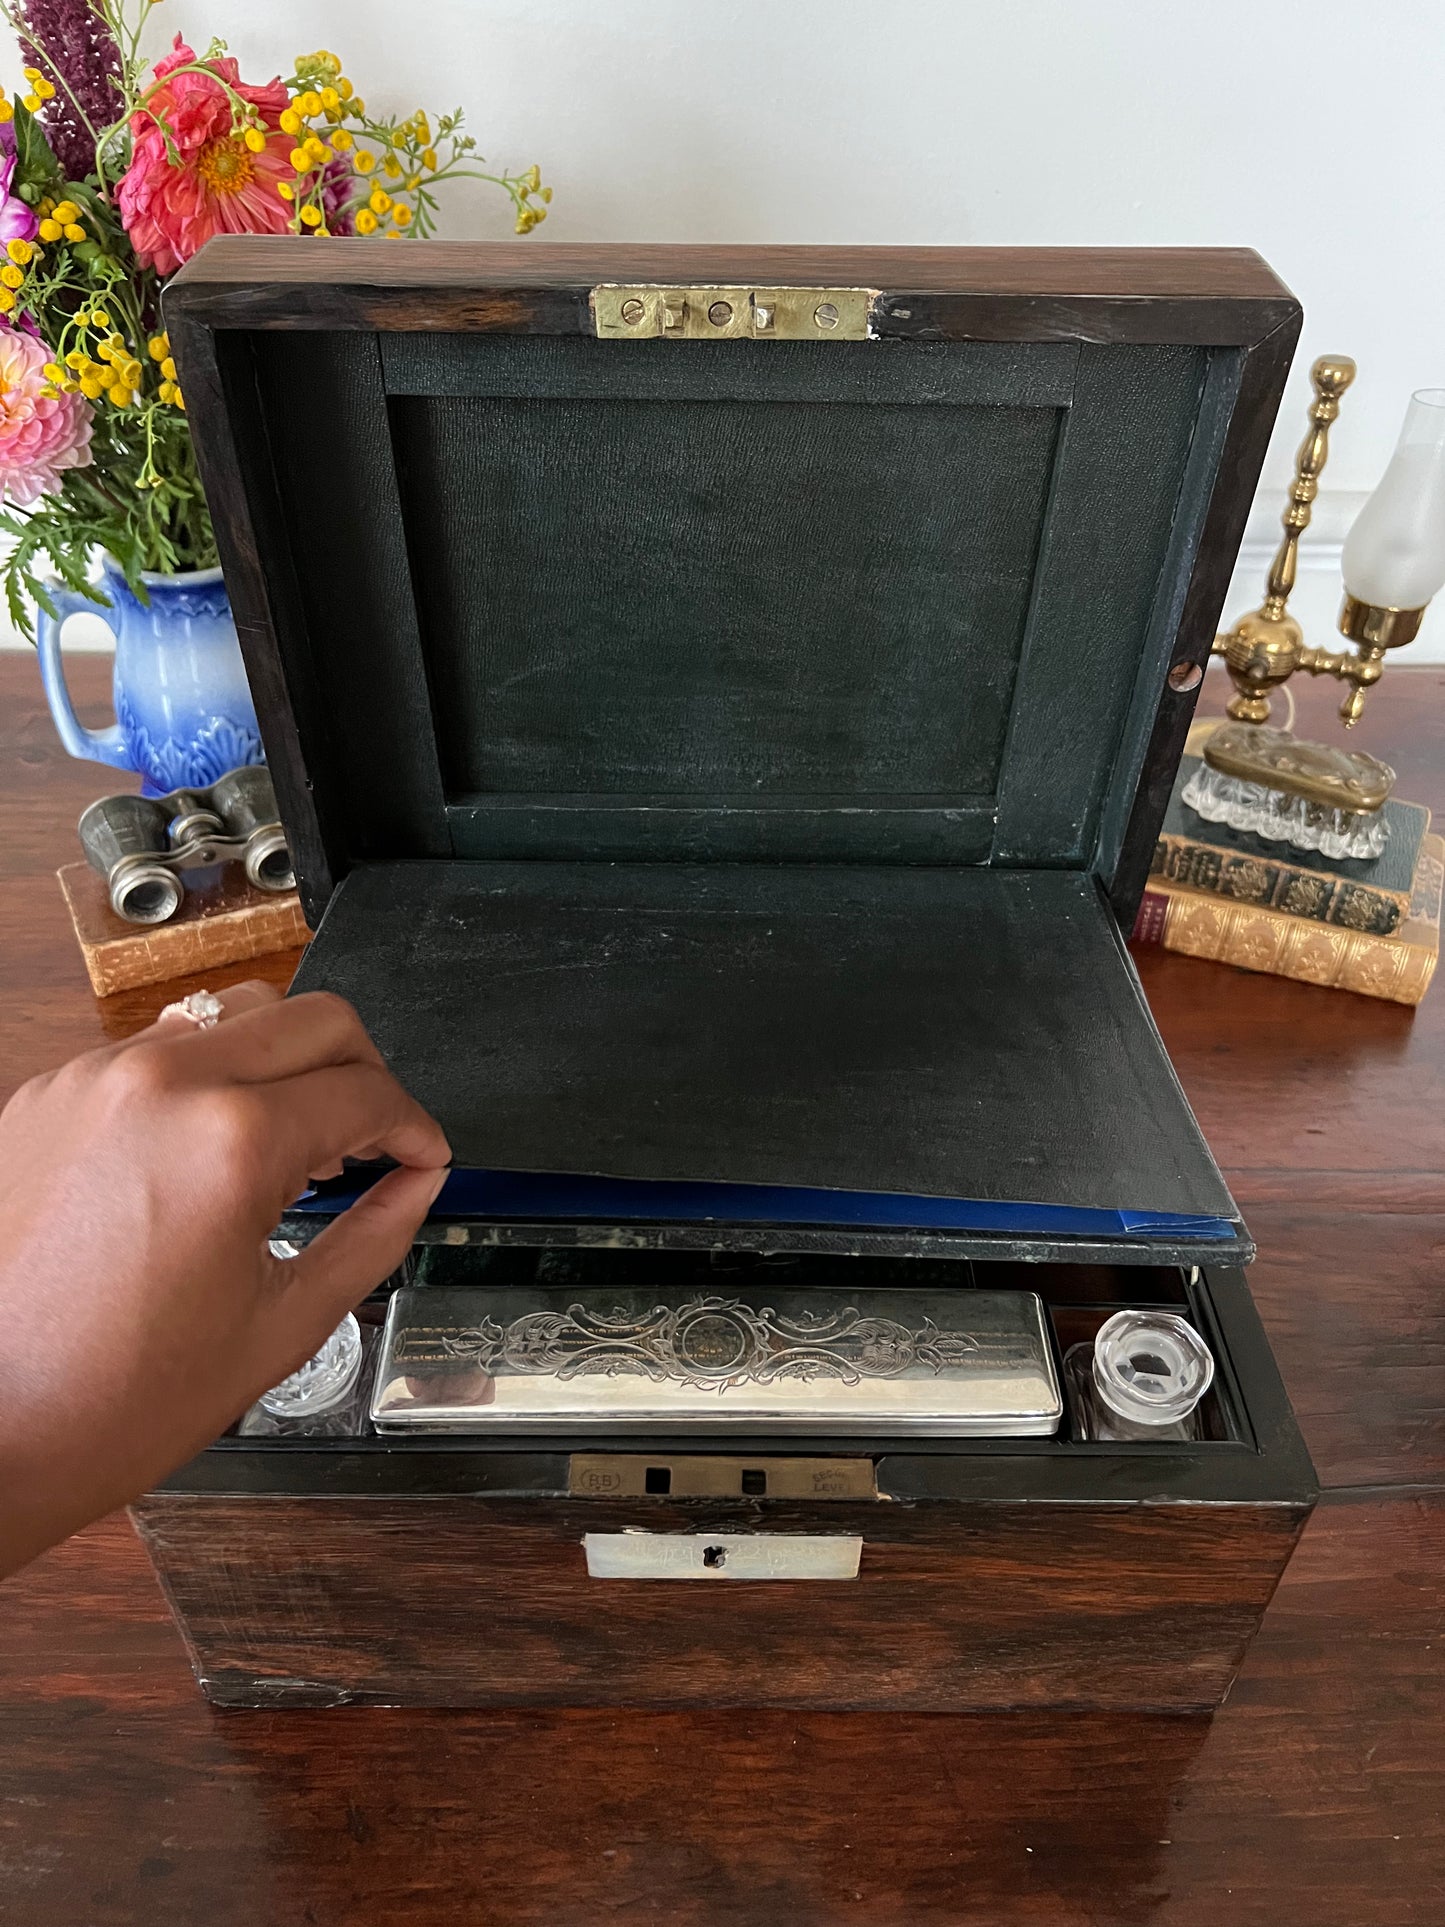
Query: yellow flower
(180, 401)
(53, 371)
(106, 375)
(11, 276)
(75, 359)
(7, 112)
(290, 121)
(341, 139)
(532, 179)
(429, 159)
(366, 222)
(358, 106)
(100, 317)
(380, 200)
(168, 391)
(546, 194)
(311, 216)
(51, 231)
(158, 347)
(74, 231)
(168, 368)
(66, 211)
(364, 161)
(286, 190)
(300, 159)
(31, 73)
(90, 388)
(401, 214)
(121, 395)
(33, 103)
(345, 88)
(255, 139)
(391, 167)
(310, 102)
(19, 251)
(45, 90)
(330, 99)
(316, 148)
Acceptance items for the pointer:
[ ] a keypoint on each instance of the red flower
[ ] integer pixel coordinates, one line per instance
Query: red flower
(208, 181)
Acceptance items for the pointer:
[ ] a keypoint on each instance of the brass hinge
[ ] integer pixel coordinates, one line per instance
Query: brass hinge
(732, 314)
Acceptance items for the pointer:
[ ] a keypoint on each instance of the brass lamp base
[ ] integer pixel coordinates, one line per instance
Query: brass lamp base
(1265, 648)
(1263, 780)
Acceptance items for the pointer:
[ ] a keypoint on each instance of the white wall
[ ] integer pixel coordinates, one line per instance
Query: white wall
(1309, 129)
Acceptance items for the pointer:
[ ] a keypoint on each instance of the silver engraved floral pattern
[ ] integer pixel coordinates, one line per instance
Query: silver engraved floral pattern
(708, 1342)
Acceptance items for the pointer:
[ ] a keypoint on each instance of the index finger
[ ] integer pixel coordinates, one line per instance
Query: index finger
(347, 1110)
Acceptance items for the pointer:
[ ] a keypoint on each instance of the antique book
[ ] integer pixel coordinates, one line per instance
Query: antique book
(1367, 896)
(1397, 967)
(227, 922)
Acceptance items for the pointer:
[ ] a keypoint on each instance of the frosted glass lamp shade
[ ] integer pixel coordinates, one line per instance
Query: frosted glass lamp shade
(1394, 556)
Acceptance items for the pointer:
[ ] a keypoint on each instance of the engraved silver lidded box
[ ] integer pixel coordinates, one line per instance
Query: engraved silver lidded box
(931, 1363)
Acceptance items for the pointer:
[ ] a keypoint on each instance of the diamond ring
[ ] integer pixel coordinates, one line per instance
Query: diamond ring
(203, 1008)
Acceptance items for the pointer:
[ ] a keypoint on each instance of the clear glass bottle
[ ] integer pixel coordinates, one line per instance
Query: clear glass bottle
(1141, 1379)
(327, 1397)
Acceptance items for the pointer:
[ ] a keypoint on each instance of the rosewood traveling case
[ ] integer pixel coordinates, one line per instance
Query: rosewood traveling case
(722, 703)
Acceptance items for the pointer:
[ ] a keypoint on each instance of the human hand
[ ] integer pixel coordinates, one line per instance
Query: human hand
(141, 1310)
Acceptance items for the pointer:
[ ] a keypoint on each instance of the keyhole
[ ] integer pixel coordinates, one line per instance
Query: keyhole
(714, 1557)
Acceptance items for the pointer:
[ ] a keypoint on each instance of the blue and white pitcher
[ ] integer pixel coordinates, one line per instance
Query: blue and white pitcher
(183, 712)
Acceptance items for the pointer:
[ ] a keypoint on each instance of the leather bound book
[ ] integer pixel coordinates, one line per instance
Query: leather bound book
(1398, 967)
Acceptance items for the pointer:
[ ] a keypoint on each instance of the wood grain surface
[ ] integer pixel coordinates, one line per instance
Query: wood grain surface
(958, 1607)
(1314, 1794)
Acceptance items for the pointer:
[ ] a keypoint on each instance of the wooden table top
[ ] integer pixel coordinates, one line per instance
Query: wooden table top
(1315, 1795)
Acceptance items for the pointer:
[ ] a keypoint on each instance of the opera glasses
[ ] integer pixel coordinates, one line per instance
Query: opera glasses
(140, 844)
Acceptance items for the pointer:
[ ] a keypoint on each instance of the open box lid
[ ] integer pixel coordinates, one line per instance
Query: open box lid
(723, 702)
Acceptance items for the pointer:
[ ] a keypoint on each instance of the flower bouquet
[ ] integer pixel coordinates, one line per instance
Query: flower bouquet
(113, 172)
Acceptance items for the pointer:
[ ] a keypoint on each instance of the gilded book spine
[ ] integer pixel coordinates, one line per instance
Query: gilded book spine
(1398, 967)
(1268, 883)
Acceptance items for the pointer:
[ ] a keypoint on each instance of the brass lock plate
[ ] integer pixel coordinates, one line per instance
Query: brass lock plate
(731, 314)
(631, 1475)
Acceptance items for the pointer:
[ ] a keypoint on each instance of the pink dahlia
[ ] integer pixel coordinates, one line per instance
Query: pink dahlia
(209, 182)
(40, 434)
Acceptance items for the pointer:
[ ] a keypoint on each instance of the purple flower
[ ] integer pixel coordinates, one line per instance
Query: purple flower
(73, 47)
(338, 187)
(17, 221)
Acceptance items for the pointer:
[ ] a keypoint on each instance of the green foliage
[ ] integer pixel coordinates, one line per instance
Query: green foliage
(332, 168)
(140, 497)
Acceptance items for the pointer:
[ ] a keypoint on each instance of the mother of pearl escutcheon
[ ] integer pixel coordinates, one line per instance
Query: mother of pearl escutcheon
(722, 1555)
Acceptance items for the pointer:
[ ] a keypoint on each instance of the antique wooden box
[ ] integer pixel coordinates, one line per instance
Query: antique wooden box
(723, 702)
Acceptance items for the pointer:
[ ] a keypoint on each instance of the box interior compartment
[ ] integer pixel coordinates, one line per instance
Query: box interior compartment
(729, 763)
(1076, 1300)
(955, 1034)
